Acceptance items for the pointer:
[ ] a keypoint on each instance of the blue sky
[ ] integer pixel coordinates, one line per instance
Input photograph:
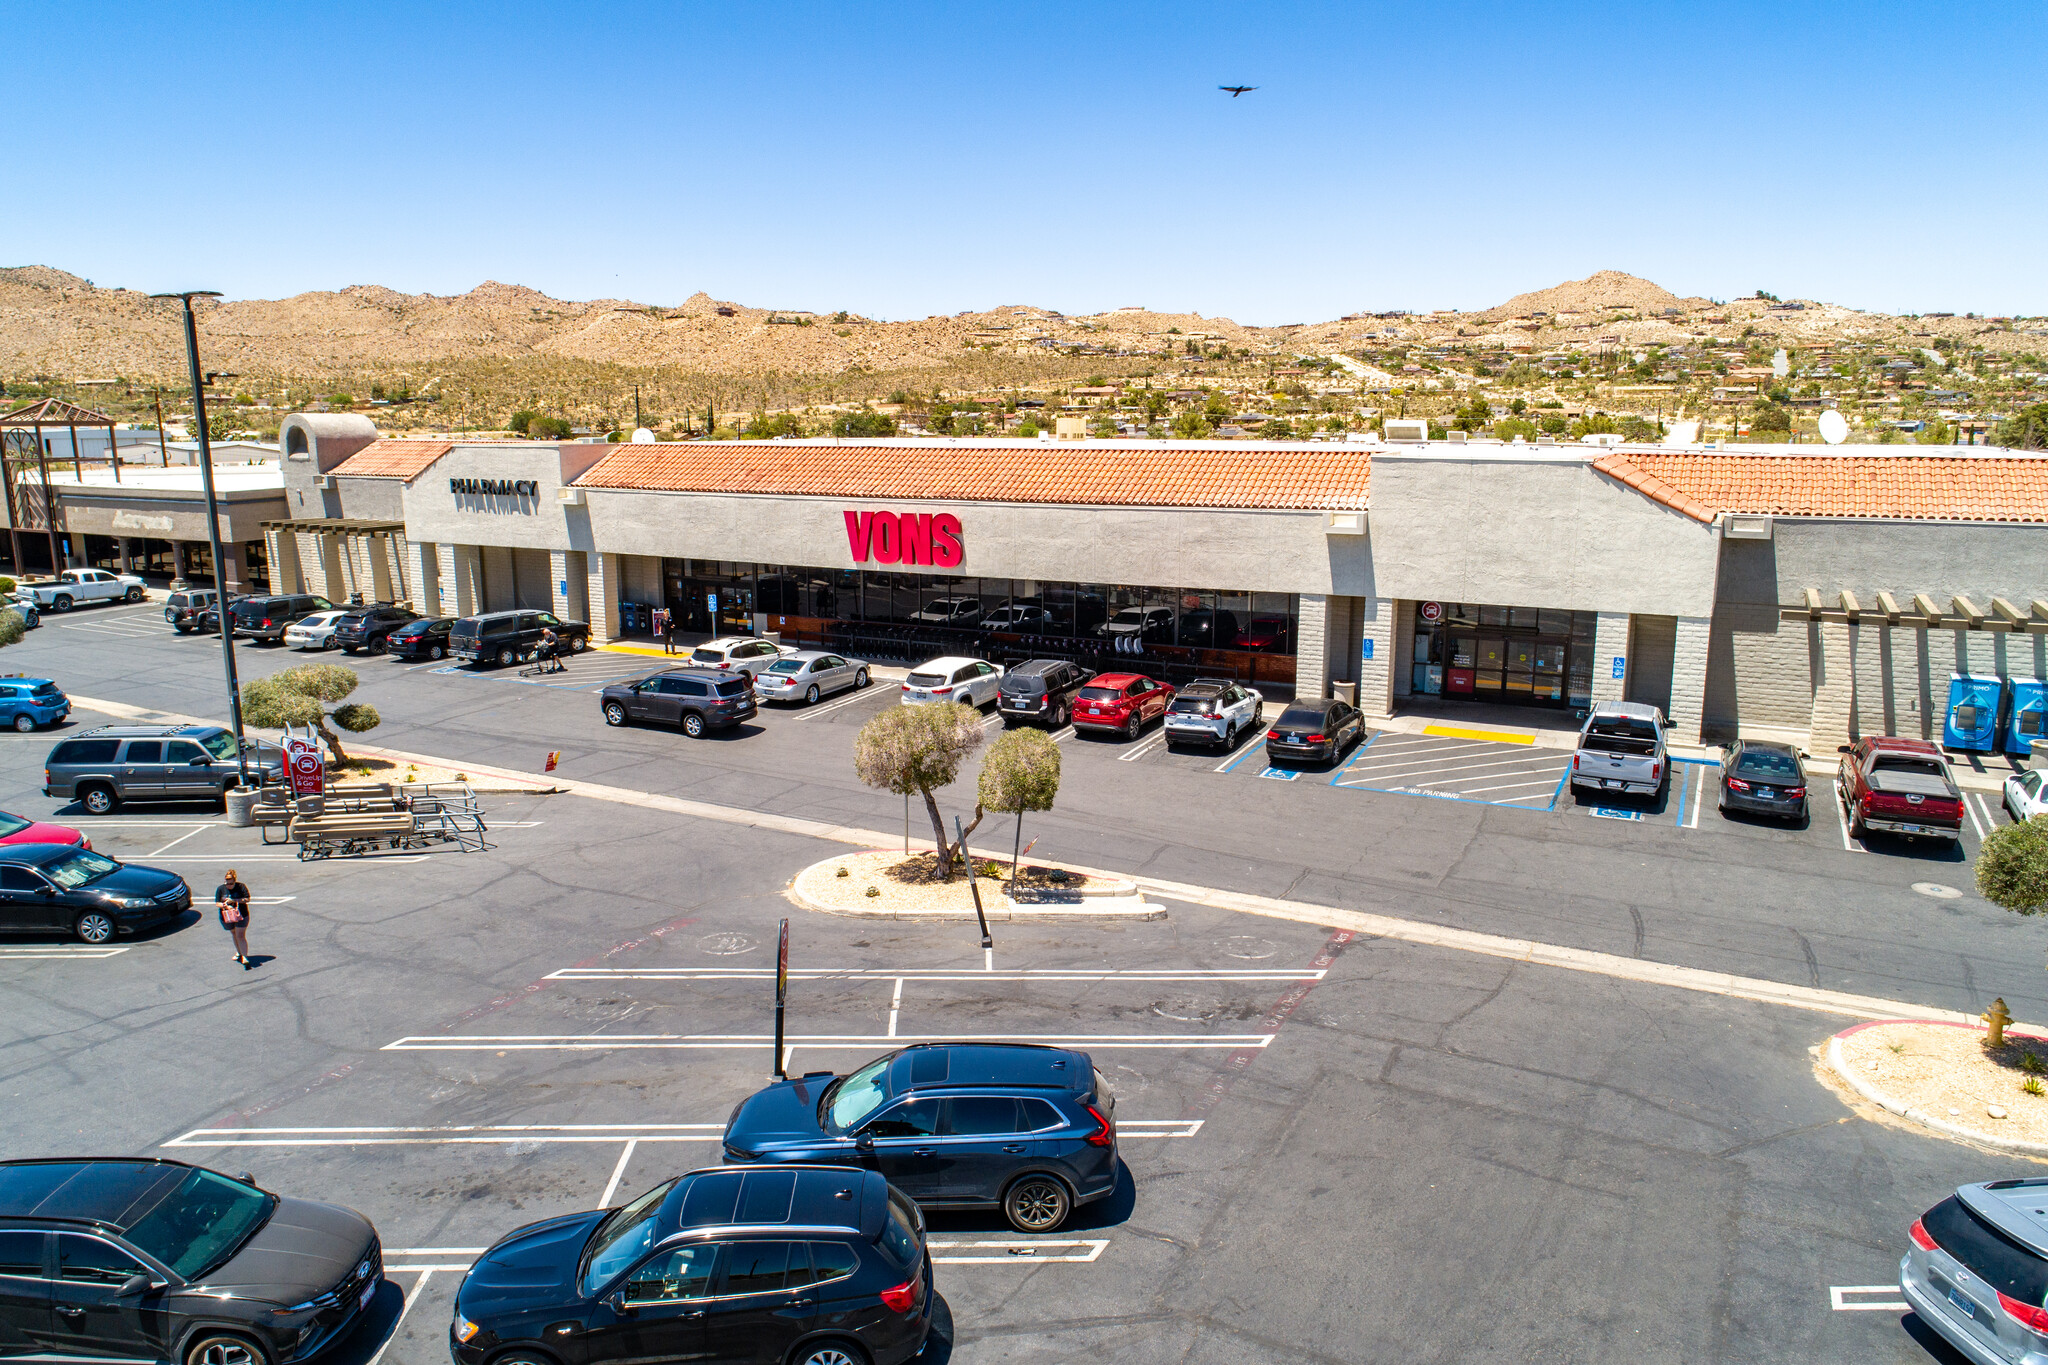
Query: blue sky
(906, 158)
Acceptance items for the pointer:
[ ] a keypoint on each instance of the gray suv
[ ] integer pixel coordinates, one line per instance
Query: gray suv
(102, 768)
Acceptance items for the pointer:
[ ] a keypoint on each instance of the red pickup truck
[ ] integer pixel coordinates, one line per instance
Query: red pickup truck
(1899, 786)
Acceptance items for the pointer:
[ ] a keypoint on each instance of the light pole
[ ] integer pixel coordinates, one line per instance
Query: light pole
(220, 595)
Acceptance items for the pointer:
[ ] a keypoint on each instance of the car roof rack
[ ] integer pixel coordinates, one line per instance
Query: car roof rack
(1214, 682)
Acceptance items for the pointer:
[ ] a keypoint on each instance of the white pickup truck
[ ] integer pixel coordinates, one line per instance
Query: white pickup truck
(73, 586)
(1621, 749)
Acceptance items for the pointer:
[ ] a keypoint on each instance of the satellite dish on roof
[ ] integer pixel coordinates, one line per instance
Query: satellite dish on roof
(642, 436)
(1834, 428)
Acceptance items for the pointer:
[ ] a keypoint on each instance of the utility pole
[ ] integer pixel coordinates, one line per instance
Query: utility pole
(163, 454)
(220, 595)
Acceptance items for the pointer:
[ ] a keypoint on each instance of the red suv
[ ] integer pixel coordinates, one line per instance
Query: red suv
(1122, 702)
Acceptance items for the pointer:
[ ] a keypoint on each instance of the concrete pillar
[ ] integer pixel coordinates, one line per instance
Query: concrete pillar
(462, 579)
(121, 550)
(1834, 695)
(604, 579)
(497, 584)
(1689, 678)
(284, 560)
(423, 577)
(1610, 646)
(1376, 663)
(569, 583)
(402, 586)
(230, 575)
(377, 565)
(1311, 647)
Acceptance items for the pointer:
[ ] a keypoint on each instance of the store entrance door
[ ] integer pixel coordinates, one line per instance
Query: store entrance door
(1514, 655)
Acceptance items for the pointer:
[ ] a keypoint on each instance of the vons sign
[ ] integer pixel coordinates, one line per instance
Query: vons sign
(905, 538)
(518, 488)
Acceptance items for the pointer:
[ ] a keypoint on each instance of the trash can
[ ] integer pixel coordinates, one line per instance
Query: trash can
(1346, 692)
(241, 804)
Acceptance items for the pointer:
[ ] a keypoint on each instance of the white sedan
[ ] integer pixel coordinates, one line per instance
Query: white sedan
(2026, 794)
(313, 632)
(969, 681)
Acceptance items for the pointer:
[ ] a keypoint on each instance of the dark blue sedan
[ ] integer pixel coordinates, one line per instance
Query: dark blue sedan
(62, 888)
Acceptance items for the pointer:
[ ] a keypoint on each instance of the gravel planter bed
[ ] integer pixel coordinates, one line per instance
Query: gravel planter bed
(899, 895)
(1943, 1076)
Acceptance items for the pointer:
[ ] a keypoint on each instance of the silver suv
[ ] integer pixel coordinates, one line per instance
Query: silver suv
(102, 768)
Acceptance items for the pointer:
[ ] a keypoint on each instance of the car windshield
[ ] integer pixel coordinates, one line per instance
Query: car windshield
(201, 1223)
(621, 1237)
(221, 746)
(787, 666)
(77, 869)
(1764, 763)
(11, 824)
(852, 1099)
(1101, 693)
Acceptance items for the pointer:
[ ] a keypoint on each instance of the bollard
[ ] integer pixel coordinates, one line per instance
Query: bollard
(241, 807)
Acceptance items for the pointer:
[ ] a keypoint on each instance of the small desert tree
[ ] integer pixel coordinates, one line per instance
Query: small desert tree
(299, 696)
(1022, 772)
(2012, 867)
(914, 751)
(12, 627)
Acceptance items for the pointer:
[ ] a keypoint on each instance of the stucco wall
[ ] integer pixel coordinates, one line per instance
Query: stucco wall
(1532, 529)
(536, 521)
(1937, 558)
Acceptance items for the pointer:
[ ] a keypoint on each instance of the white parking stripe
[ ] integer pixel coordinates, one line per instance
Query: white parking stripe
(1018, 1252)
(55, 951)
(1698, 795)
(1892, 1303)
(1973, 813)
(426, 1273)
(1138, 751)
(601, 1042)
(1144, 975)
(1258, 736)
(509, 1134)
(1842, 819)
(1518, 764)
(1546, 784)
(618, 1173)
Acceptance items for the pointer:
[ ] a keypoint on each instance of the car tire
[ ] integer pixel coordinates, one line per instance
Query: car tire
(134, 595)
(507, 657)
(1130, 730)
(811, 696)
(1037, 1203)
(693, 724)
(94, 926)
(98, 799)
(827, 1353)
(614, 713)
(61, 602)
(25, 723)
(860, 679)
(380, 645)
(1230, 736)
(578, 643)
(331, 643)
(436, 652)
(348, 649)
(226, 1348)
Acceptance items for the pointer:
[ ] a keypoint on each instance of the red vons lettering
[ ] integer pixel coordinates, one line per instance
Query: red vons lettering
(905, 538)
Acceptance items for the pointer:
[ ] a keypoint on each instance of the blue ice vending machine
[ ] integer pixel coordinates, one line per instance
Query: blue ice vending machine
(1973, 707)
(2029, 720)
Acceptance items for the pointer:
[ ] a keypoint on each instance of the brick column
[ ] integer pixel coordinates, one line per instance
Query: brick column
(461, 579)
(604, 582)
(569, 582)
(1376, 656)
(1311, 647)
(1610, 642)
(423, 577)
(312, 564)
(283, 547)
(1834, 701)
(1689, 678)
(229, 575)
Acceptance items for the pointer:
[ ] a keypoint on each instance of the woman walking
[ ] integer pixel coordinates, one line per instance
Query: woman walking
(231, 898)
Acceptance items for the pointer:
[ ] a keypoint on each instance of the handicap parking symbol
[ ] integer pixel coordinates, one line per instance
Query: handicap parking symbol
(1610, 813)
(451, 668)
(1281, 774)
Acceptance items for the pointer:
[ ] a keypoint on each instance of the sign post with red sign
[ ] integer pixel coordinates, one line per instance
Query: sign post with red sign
(302, 761)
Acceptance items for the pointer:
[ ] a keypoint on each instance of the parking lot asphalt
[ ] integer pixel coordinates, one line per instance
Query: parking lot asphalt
(1339, 1148)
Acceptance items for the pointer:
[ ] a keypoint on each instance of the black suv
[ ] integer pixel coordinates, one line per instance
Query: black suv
(698, 699)
(506, 637)
(1030, 1130)
(264, 618)
(144, 1259)
(369, 628)
(1041, 690)
(805, 1265)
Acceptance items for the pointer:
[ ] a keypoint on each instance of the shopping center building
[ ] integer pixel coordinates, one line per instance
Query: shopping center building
(1812, 591)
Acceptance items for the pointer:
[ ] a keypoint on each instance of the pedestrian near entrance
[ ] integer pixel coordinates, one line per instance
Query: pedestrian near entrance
(667, 624)
(231, 899)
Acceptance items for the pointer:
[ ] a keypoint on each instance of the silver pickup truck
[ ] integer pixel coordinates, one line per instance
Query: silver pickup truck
(1621, 749)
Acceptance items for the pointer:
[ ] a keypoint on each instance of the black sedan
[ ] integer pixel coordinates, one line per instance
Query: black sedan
(1759, 777)
(425, 638)
(808, 1265)
(62, 888)
(1312, 730)
(145, 1259)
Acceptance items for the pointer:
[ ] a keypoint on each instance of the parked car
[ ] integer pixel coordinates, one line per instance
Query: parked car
(1027, 1129)
(66, 889)
(184, 607)
(971, 682)
(808, 675)
(424, 638)
(949, 611)
(748, 654)
(157, 1260)
(505, 637)
(1020, 620)
(1264, 633)
(697, 699)
(26, 703)
(102, 768)
(1621, 749)
(1312, 730)
(19, 829)
(1763, 778)
(2026, 794)
(370, 627)
(1214, 711)
(315, 631)
(267, 618)
(21, 603)
(1123, 703)
(1977, 1272)
(1208, 629)
(1153, 625)
(1041, 690)
(1899, 786)
(813, 1265)
(73, 586)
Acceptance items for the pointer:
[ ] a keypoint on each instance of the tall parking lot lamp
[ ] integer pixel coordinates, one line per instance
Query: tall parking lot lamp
(220, 576)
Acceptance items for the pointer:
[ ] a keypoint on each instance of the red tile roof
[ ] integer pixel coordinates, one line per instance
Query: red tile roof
(1321, 477)
(392, 458)
(1838, 484)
